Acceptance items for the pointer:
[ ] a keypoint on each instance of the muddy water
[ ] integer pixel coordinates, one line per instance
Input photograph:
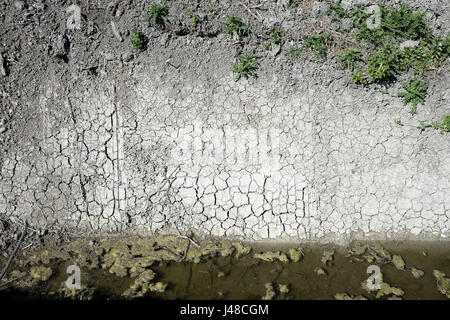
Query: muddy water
(245, 277)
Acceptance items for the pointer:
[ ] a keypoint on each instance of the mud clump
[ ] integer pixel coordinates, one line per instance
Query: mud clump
(142, 285)
(345, 296)
(270, 292)
(417, 273)
(327, 257)
(272, 256)
(398, 262)
(386, 289)
(443, 283)
(296, 254)
(320, 271)
(41, 273)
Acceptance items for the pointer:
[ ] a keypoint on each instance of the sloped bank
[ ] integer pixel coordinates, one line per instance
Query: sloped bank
(106, 138)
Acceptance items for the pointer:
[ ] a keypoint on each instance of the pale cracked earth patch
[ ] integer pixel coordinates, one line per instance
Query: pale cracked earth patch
(255, 159)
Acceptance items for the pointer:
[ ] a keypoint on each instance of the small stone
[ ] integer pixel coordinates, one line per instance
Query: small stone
(408, 44)
(127, 57)
(276, 49)
(318, 9)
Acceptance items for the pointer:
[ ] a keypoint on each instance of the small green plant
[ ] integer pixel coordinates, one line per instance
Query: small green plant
(443, 126)
(194, 17)
(235, 24)
(158, 13)
(294, 3)
(317, 44)
(294, 51)
(267, 46)
(400, 23)
(337, 11)
(416, 91)
(210, 9)
(381, 65)
(349, 58)
(246, 65)
(398, 122)
(276, 36)
(137, 40)
(359, 77)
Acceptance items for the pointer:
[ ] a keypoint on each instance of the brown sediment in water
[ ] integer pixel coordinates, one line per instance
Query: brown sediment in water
(223, 269)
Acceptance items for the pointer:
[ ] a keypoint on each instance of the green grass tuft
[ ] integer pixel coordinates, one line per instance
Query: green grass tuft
(158, 13)
(276, 36)
(416, 91)
(194, 17)
(137, 40)
(349, 58)
(317, 44)
(234, 24)
(246, 65)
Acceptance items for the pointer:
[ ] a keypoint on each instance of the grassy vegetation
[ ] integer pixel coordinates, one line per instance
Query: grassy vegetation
(443, 126)
(317, 44)
(245, 66)
(158, 13)
(137, 40)
(382, 60)
(294, 3)
(349, 58)
(416, 91)
(276, 36)
(293, 51)
(267, 46)
(193, 16)
(234, 24)
(379, 55)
